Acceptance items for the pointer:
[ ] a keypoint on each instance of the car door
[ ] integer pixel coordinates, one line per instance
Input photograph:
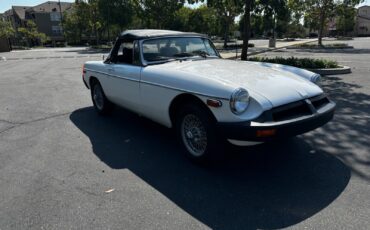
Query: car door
(124, 76)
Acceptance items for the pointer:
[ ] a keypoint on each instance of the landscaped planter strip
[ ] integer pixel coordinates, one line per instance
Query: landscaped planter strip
(332, 71)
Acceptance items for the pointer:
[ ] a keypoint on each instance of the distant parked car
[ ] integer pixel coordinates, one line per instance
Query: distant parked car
(179, 80)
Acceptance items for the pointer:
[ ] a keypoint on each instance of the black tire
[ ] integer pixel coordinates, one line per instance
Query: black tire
(191, 139)
(101, 104)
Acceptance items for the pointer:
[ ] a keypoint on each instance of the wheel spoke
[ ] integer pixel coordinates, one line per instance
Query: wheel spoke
(194, 135)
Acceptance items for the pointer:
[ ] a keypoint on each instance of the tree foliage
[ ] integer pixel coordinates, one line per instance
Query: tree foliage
(91, 19)
(158, 13)
(99, 18)
(202, 20)
(31, 35)
(345, 18)
(76, 22)
(6, 29)
(116, 12)
(227, 10)
(317, 12)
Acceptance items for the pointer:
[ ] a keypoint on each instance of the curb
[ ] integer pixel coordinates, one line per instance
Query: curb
(334, 71)
(266, 50)
(317, 48)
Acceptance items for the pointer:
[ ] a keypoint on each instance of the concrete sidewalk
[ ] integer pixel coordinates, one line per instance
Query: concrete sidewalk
(264, 48)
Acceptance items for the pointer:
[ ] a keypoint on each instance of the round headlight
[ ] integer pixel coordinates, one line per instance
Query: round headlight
(239, 101)
(316, 78)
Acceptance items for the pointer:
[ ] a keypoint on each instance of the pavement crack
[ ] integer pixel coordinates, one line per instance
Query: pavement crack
(9, 122)
(7, 129)
(14, 124)
(45, 118)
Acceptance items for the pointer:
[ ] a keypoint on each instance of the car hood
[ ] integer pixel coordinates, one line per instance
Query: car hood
(277, 85)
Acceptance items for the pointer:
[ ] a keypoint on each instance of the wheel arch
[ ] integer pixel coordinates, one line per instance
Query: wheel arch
(183, 99)
(92, 80)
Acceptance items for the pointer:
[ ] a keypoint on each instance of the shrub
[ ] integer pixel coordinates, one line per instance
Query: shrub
(306, 63)
(234, 46)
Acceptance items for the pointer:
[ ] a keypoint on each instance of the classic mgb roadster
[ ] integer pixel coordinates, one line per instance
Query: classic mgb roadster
(179, 80)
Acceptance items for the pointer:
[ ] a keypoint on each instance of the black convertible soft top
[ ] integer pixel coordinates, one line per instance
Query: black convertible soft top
(148, 33)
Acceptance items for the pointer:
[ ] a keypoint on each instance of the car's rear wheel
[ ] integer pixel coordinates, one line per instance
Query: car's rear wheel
(101, 104)
(197, 133)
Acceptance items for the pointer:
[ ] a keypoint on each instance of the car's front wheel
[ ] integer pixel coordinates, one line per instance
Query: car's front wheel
(101, 104)
(197, 133)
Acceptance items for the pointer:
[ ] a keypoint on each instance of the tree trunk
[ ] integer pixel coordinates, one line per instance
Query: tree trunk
(108, 33)
(321, 26)
(80, 34)
(96, 35)
(246, 29)
(10, 44)
(226, 35)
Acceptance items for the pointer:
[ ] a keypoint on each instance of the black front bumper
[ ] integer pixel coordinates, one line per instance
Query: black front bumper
(267, 131)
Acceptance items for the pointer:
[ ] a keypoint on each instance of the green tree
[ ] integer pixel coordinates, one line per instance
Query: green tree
(276, 15)
(202, 20)
(6, 29)
(76, 23)
(345, 20)
(317, 12)
(30, 34)
(227, 10)
(94, 19)
(159, 12)
(118, 13)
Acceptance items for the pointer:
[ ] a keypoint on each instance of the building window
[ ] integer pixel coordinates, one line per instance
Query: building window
(55, 16)
(57, 30)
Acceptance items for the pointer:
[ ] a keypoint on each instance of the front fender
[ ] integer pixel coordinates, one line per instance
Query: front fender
(306, 74)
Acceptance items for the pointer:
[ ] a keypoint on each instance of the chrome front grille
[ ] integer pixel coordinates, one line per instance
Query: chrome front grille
(294, 110)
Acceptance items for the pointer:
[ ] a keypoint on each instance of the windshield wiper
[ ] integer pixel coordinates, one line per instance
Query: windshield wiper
(200, 53)
(161, 60)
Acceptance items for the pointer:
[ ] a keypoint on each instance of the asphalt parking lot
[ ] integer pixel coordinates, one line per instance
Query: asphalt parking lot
(64, 167)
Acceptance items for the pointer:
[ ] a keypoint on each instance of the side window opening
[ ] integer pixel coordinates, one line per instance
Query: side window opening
(136, 54)
(125, 53)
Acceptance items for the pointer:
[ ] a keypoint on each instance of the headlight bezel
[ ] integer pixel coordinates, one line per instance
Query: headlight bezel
(242, 97)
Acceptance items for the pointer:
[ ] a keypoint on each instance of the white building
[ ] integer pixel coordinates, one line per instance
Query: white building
(363, 21)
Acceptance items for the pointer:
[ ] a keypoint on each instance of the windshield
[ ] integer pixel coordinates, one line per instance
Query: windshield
(173, 48)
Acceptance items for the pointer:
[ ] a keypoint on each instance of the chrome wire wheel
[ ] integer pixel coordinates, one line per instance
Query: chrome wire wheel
(98, 96)
(194, 135)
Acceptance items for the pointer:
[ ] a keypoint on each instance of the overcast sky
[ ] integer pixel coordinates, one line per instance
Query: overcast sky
(6, 4)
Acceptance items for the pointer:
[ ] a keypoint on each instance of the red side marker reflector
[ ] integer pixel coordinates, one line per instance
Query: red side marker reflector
(214, 103)
(266, 133)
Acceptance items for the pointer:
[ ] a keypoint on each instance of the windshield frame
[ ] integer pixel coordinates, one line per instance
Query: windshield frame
(145, 62)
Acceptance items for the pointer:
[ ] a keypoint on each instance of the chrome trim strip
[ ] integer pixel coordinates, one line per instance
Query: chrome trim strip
(182, 90)
(159, 85)
(112, 75)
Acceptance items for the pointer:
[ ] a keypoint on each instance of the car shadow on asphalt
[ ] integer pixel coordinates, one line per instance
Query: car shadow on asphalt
(268, 186)
(348, 135)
